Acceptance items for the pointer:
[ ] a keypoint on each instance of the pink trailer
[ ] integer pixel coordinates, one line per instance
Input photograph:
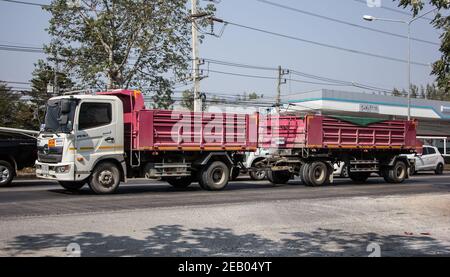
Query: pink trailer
(315, 146)
(312, 131)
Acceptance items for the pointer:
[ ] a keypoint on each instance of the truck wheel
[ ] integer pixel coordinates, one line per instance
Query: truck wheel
(439, 169)
(397, 174)
(180, 182)
(105, 178)
(278, 177)
(304, 176)
(359, 177)
(318, 174)
(215, 176)
(6, 173)
(72, 186)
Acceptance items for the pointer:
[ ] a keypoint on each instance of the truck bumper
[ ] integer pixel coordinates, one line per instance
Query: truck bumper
(58, 171)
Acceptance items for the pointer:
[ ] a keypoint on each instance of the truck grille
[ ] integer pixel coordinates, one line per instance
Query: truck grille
(50, 155)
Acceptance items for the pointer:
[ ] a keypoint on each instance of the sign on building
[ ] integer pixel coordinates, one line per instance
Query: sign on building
(369, 108)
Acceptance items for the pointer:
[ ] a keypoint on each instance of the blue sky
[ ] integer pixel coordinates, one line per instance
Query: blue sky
(25, 25)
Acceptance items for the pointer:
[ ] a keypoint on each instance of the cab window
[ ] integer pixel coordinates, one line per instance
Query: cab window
(94, 115)
(425, 151)
(431, 151)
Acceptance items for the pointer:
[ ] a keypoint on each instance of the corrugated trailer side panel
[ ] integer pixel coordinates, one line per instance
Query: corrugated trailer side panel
(170, 131)
(329, 132)
(283, 132)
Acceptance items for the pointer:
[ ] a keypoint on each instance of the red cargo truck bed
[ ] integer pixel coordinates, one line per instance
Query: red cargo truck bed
(314, 131)
(171, 131)
(165, 130)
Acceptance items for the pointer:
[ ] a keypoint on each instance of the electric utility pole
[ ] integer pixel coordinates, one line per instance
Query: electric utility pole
(198, 104)
(281, 81)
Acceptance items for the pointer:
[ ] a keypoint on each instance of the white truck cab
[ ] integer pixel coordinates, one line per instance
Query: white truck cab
(79, 133)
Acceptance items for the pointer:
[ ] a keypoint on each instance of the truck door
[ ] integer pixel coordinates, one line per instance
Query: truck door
(96, 135)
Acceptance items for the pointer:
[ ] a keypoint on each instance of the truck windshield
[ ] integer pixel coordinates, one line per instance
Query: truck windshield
(59, 116)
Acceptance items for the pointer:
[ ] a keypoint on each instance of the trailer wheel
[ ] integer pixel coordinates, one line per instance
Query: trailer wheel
(105, 178)
(279, 177)
(318, 174)
(215, 176)
(180, 182)
(397, 174)
(72, 186)
(359, 177)
(304, 176)
(6, 173)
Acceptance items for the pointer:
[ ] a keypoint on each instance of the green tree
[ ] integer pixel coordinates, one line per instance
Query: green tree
(122, 44)
(441, 68)
(15, 113)
(8, 106)
(255, 96)
(187, 100)
(43, 75)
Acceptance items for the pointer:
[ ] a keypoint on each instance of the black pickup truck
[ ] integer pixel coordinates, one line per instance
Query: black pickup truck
(17, 151)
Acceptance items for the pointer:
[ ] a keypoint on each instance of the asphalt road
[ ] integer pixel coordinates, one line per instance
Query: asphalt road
(40, 197)
(38, 218)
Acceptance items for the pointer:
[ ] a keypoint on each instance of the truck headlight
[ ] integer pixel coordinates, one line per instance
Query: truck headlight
(62, 169)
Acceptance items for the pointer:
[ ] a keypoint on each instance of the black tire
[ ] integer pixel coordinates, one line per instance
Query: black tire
(278, 177)
(304, 174)
(180, 182)
(235, 172)
(258, 175)
(397, 174)
(318, 174)
(105, 178)
(6, 173)
(72, 186)
(359, 177)
(345, 172)
(439, 169)
(215, 176)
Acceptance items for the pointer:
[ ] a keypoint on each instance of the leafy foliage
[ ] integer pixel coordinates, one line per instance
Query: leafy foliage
(441, 68)
(15, 113)
(122, 44)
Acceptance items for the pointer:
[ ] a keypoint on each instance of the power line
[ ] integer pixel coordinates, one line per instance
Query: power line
(329, 81)
(18, 48)
(344, 22)
(25, 3)
(354, 51)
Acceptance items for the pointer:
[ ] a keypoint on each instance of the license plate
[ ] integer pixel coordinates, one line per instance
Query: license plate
(45, 169)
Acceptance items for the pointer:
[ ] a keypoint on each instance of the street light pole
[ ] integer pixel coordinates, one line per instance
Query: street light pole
(409, 71)
(372, 18)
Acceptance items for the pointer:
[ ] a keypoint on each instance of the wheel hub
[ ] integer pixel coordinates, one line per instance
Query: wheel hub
(217, 175)
(4, 174)
(106, 178)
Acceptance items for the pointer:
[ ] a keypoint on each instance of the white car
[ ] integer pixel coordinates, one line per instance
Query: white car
(340, 170)
(430, 160)
(252, 159)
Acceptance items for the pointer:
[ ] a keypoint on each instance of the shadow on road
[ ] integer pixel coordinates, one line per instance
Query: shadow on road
(175, 240)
